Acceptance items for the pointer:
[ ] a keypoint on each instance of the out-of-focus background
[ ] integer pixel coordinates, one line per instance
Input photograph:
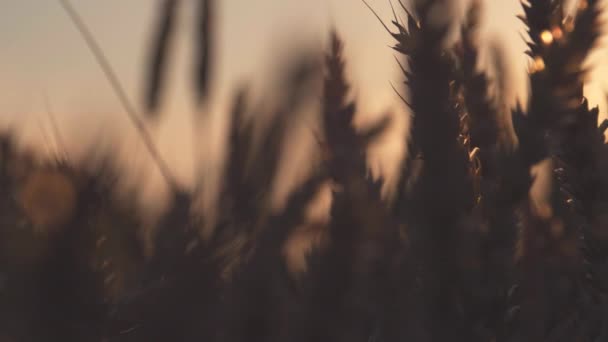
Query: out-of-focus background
(45, 66)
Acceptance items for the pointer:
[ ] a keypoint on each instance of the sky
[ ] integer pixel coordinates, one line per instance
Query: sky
(41, 51)
(43, 59)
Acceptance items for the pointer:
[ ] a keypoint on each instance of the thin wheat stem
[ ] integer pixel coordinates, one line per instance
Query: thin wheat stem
(400, 96)
(120, 92)
(377, 17)
(59, 142)
(393, 10)
(45, 137)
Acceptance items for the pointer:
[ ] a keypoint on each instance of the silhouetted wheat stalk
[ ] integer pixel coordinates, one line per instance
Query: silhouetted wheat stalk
(557, 298)
(463, 253)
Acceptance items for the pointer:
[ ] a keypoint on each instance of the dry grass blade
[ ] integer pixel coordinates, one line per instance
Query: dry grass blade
(401, 96)
(204, 49)
(377, 17)
(159, 55)
(120, 92)
(56, 133)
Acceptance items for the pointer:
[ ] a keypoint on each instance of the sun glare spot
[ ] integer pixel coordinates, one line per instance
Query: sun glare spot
(547, 37)
(557, 33)
(539, 64)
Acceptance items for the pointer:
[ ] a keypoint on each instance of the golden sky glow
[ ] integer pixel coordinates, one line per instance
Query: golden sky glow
(41, 53)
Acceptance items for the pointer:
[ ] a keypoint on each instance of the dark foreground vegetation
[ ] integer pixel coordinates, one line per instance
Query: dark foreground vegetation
(461, 253)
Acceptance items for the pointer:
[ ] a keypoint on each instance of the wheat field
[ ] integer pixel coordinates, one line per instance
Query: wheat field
(493, 228)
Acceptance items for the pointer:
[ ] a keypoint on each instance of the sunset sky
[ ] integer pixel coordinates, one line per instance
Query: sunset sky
(42, 55)
(41, 51)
